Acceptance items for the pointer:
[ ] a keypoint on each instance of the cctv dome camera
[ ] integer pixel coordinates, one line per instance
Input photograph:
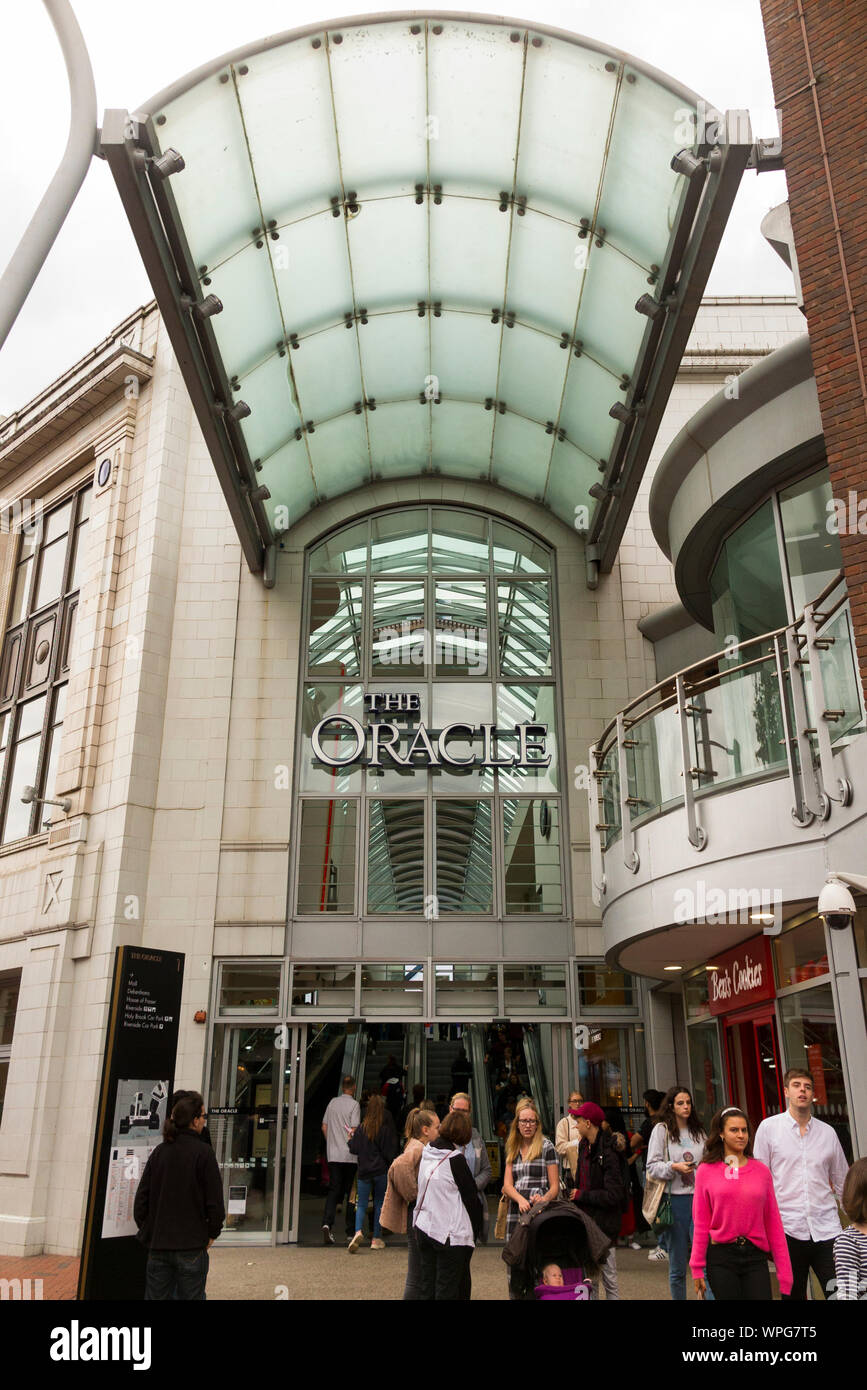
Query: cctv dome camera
(836, 905)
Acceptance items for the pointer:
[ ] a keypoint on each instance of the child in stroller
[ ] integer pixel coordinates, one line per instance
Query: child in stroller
(557, 1258)
(562, 1285)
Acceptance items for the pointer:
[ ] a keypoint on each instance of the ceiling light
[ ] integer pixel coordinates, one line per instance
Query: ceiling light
(672, 967)
(761, 917)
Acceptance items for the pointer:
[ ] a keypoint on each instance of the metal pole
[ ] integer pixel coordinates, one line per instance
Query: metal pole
(32, 251)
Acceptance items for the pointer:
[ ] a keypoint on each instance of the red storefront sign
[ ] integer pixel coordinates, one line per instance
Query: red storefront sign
(744, 975)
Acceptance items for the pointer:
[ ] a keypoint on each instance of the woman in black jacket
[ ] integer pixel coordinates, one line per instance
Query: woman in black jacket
(179, 1206)
(600, 1186)
(375, 1144)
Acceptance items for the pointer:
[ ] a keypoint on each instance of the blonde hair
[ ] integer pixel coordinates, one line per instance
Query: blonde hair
(420, 1120)
(513, 1142)
(461, 1095)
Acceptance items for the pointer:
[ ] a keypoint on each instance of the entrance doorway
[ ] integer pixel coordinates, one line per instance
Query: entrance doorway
(494, 1065)
(753, 1062)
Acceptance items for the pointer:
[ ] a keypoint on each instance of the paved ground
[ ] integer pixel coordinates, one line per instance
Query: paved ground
(58, 1273)
(316, 1273)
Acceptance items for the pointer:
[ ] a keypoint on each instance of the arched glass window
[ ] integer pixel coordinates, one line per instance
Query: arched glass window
(428, 772)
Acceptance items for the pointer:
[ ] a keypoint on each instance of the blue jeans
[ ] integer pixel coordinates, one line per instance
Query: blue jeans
(680, 1246)
(364, 1185)
(176, 1274)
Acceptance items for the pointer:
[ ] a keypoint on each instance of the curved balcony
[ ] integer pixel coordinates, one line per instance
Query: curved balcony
(722, 769)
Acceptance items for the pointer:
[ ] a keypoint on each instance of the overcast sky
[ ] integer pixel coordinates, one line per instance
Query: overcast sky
(94, 277)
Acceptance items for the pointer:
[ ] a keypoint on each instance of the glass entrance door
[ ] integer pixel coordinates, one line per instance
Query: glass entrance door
(249, 1120)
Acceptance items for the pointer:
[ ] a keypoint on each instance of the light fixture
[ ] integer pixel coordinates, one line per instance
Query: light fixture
(204, 309)
(599, 491)
(259, 494)
(672, 967)
(28, 795)
(239, 411)
(167, 163)
(686, 163)
(621, 412)
(650, 307)
(711, 967)
(761, 917)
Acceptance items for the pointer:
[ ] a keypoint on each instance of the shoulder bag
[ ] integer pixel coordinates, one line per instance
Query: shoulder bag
(656, 1212)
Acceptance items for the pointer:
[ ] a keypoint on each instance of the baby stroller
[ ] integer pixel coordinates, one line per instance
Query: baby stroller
(556, 1234)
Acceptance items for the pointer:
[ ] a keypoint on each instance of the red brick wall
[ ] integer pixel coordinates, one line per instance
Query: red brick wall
(836, 32)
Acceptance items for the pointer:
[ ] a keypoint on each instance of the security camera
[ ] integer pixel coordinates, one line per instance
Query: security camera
(836, 905)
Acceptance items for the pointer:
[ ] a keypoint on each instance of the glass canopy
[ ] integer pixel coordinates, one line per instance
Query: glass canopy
(428, 235)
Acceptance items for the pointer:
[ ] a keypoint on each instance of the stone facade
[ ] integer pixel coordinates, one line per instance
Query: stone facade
(178, 738)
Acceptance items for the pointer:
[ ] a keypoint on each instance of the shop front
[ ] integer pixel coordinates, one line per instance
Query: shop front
(285, 1033)
(759, 1009)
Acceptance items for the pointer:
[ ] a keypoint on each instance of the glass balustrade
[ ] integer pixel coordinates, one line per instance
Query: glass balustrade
(736, 724)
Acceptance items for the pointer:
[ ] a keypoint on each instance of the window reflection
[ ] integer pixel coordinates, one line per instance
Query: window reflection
(464, 880)
(531, 835)
(401, 643)
(524, 628)
(335, 628)
(326, 862)
(461, 638)
(395, 856)
(399, 542)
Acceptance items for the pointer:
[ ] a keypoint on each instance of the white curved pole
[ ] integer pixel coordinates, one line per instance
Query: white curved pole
(30, 256)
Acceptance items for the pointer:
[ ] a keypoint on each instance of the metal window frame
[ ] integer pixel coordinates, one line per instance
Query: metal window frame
(366, 677)
(58, 675)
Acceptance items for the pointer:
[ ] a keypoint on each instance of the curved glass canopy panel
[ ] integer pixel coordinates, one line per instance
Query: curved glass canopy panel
(428, 234)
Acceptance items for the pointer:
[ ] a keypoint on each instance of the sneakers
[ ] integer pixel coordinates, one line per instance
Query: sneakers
(376, 1244)
(658, 1254)
(633, 1245)
(327, 1237)
(355, 1243)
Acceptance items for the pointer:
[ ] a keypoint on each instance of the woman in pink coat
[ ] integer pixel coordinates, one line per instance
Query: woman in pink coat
(736, 1221)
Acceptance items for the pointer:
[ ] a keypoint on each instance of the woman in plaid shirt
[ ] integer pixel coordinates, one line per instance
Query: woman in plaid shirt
(532, 1168)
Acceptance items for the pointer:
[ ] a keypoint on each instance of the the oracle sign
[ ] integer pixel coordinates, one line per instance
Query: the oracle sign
(430, 746)
(742, 976)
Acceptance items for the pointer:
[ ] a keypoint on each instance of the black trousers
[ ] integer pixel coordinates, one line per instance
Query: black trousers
(738, 1272)
(806, 1255)
(444, 1269)
(341, 1176)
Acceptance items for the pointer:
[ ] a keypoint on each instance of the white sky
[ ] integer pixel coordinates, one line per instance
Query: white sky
(94, 277)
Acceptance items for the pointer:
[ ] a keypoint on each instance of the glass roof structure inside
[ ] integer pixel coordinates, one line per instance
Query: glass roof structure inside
(428, 234)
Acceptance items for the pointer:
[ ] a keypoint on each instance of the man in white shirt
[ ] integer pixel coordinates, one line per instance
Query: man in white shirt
(342, 1116)
(808, 1167)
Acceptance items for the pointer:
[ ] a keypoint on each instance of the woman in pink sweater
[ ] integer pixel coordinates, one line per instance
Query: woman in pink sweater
(735, 1216)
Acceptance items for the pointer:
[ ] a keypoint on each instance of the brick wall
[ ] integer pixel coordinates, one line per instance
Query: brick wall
(836, 37)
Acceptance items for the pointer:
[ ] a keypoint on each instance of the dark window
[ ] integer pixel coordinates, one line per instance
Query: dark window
(34, 665)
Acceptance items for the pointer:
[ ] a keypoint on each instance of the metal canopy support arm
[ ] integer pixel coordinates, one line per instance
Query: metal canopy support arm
(32, 251)
(127, 161)
(728, 158)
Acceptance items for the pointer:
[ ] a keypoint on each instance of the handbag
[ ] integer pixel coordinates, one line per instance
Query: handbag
(654, 1191)
(502, 1218)
(663, 1214)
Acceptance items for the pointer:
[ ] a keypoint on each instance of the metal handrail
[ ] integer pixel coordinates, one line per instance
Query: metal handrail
(809, 753)
(670, 699)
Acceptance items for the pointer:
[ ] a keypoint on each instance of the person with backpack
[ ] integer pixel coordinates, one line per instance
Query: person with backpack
(375, 1145)
(601, 1184)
